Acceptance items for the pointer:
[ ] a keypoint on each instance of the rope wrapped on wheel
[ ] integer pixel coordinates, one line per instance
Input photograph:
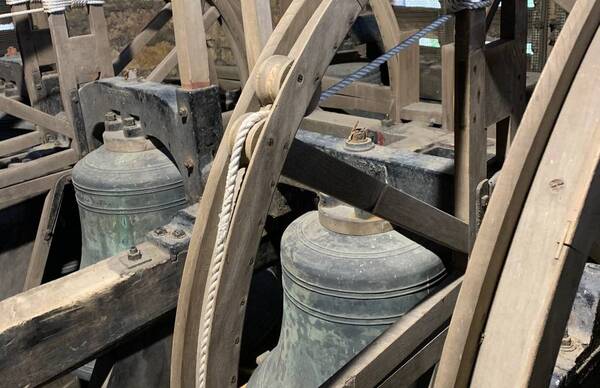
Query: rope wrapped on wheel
(53, 6)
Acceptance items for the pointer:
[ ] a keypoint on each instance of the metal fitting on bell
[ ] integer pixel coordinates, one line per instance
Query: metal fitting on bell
(345, 219)
(131, 128)
(11, 90)
(112, 122)
(134, 254)
(359, 140)
(270, 77)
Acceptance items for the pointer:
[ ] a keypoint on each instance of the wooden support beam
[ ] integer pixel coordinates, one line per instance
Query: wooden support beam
(142, 39)
(381, 94)
(80, 59)
(337, 124)
(324, 173)
(404, 67)
(419, 364)
(23, 191)
(190, 36)
(448, 87)
(162, 70)
(37, 168)
(557, 227)
(470, 137)
(72, 319)
(502, 58)
(258, 26)
(340, 101)
(34, 116)
(45, 231)
(506, 203)
(31, 52)
(513, 26)
(567, 5)
(427, 112)
(396, 347)
(20, 143)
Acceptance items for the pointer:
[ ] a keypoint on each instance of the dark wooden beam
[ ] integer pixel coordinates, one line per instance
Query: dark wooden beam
(322, 172)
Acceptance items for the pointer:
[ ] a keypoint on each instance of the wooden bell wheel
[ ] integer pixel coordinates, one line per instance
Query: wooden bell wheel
(283, 85)
(308, 34)
(390, 100)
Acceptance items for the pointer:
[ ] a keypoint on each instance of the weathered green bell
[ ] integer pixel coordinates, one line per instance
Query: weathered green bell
(347, 276)
(124, 189)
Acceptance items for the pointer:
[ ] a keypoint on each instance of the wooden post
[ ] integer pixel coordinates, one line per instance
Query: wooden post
(404, 67)
(470, 137)
(258, 26)
(29, 53)
(513, 26)
(190, 37)
(45, 232)
(448, 87)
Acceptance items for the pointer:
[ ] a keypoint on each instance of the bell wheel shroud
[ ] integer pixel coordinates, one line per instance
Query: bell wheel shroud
(309, 33)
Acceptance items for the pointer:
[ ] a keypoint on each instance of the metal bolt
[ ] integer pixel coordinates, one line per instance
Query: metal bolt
(110, 116)
(160, 231)
(131, 128)
(129, 121)
(556, 184)
(387, 122)
(11, 89)
(566, 344)
(189, 164)
(179, 233)
(134, 254)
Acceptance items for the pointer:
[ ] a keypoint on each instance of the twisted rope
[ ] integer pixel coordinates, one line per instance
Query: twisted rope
(414, 38)
(371, 67)
(216, 263)
(52, 6)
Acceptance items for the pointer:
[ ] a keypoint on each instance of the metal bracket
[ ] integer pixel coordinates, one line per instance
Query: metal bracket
(482, 199)
(187, 123)
(59, 189)
(11, 71)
